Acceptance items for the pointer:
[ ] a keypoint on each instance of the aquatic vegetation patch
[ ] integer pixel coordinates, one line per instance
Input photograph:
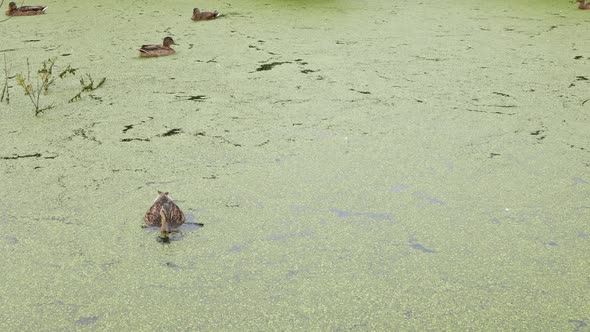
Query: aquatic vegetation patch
(171, 132)
(269, 66)
(34, 86)
(87, 85)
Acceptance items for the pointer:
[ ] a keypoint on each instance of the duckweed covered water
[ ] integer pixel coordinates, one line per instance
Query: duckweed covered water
(395, 166)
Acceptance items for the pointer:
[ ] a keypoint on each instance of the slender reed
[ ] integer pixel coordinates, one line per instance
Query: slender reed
(6, 88)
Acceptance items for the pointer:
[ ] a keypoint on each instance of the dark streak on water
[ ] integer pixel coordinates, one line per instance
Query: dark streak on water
(171, 132)
(429, 199)
(9, 239)
(135, 139)
(421, 248)
(580, 324)
(399, 188)
(269, 66)
(87, 320)
(172, 266)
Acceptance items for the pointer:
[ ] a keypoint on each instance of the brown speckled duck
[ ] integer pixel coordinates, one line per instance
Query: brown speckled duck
(203, 16)
(583, 5)
(158, 50)
(165, 214)
(13, 10)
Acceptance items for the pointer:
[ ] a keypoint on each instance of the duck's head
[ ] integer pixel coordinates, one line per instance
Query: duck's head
(12, 6)
(167, 42)
(196, 13)
(163, 197)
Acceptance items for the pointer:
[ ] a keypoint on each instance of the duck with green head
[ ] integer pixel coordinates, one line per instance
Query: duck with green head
(164, 213)
(13, 10)
(158, 50)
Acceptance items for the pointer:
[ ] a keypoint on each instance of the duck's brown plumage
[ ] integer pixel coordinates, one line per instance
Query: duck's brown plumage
(164, 204)
(583, 5)
(203, 16)
(13, 10)
(158, 50)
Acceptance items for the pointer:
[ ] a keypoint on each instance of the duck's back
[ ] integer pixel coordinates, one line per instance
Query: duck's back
(152, 216)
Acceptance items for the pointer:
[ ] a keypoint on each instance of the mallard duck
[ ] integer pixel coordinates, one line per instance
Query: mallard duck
(202, 16)
(158, 50)
(13, 10)
(165, 214)
(583, 5)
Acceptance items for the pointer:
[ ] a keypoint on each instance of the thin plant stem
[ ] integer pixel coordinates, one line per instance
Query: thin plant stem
(5, 89)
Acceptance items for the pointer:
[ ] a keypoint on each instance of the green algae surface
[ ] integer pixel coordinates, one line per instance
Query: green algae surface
(358, 165)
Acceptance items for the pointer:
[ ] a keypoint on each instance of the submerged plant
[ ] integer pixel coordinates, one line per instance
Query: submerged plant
(87, 86)
(46, 73)
(6, 87)
(45, 78)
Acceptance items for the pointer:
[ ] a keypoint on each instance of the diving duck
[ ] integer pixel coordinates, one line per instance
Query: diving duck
(583, 5)
(165, 214)
(203, 16)
(158, 50)
(13, 10)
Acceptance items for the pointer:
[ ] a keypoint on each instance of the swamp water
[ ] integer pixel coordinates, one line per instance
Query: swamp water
(382, 165)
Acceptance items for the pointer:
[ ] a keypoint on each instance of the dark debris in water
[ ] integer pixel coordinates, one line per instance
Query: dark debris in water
(135, 139)
(171, 132)
(197, 98)
(269, 66)
(127, 127)
(33, 155)
(490, 112)
(361, 92)
(539, 134)
(501, 94)
(172, 266)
